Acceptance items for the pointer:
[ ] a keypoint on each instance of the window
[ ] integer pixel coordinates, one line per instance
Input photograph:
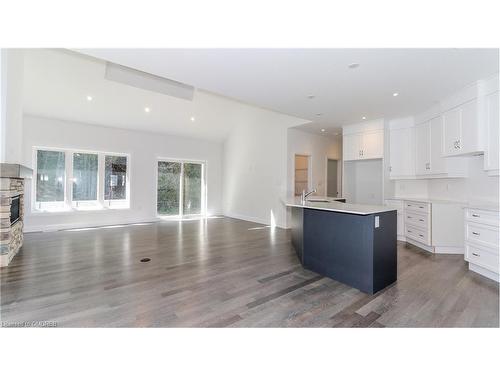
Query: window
(192, 189)
(115, 177)
(84, 177)
(50, 176)
(181, 189)
(78, 180)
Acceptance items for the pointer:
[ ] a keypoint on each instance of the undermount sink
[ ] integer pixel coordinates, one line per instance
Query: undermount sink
(318, 200)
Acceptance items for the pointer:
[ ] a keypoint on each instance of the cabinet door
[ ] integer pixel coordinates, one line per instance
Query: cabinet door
(402, 152)
(469, 129)
(351, 146)
(422, 148)
(372, 146)
(492, 150)
(438, 163)
(451, 131)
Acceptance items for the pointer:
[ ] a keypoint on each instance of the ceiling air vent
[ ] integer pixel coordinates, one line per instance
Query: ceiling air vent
(146, 81)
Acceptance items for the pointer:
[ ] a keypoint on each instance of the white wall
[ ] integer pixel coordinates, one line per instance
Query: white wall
(319, 148)
(144, 150)
(478, 186)
(255, 167)
(11, 105)
(363, 181)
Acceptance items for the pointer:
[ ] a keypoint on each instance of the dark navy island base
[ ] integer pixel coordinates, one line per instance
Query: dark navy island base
(347, 247)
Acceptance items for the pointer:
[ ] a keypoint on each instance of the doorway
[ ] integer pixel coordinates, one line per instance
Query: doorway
(302, 173)
(332, 179)
(180, 188)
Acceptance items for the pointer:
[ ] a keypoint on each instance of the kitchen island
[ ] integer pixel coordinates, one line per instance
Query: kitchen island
(351, 243)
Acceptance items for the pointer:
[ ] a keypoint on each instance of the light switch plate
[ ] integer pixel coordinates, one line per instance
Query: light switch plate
(377, 221)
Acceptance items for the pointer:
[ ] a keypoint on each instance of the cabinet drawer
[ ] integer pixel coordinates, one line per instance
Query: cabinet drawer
(481, 257)
(419, 220)
(418, 234)
(482, 235)
(482, 216)
(421, 207)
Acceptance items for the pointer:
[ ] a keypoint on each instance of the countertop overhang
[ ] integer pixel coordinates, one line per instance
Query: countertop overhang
(348, 208)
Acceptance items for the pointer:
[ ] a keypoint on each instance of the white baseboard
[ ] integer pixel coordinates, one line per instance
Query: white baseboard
(56, 227)
(257, 220)
(430, 249)
(449, 250)
(483, 271)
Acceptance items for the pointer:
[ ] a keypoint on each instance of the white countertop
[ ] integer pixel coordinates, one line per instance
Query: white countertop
(349, 208)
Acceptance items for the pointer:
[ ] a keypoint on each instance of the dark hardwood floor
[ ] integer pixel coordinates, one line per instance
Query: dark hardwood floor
(224, 273)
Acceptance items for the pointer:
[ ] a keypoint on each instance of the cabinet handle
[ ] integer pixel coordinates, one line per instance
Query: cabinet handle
(421, 235)
(420, 219)
(409, 231)
(476, 254)
(476, 233)
(476, 215)
(409, 217)
(458, 145)
(420, 206)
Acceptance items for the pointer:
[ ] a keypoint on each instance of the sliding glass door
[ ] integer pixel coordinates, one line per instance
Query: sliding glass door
(181, 189)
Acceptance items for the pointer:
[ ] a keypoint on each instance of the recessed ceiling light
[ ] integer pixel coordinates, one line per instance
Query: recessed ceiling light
(89, 98)
(310, 96)
(353, 66)
(364, 117)
(395, 94)
(147, 109)
(323, 130)
(193, 119)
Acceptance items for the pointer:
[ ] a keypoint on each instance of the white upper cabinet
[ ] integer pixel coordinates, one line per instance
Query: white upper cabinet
(372, 145)
(491, 153)
(423, 149)
(429, 162)
(363, 141)
(402, 152)
(438, 163)
(351, 146)
(461, 130)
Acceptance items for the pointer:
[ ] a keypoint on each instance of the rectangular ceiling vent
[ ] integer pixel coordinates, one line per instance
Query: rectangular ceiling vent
(146, 81)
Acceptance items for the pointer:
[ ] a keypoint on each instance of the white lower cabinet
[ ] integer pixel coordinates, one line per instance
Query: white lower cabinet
(435, 226)
(482, 238)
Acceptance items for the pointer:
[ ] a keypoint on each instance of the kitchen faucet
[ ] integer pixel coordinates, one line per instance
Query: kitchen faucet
(305, 195)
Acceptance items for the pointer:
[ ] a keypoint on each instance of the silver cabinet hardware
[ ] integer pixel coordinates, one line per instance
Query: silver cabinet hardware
(409, 217)
(420, 206)
(476, 215)
(420, 219)
(476, 233)
(421, 235)
(476, 254)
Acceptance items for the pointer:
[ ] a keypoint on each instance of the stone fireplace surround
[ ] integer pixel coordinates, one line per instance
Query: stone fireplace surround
(11, 184)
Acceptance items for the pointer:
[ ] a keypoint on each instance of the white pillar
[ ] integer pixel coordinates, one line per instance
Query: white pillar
(11, 105)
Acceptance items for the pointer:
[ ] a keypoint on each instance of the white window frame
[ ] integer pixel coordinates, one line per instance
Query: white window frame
(114, 203)
(181, 187)
(68, 204)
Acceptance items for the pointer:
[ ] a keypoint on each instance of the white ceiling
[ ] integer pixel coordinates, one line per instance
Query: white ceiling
(281, 79)
(57, 83)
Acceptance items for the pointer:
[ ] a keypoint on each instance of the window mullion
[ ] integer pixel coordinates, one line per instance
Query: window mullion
(100, 179)
(69, 178)
(181, 193)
